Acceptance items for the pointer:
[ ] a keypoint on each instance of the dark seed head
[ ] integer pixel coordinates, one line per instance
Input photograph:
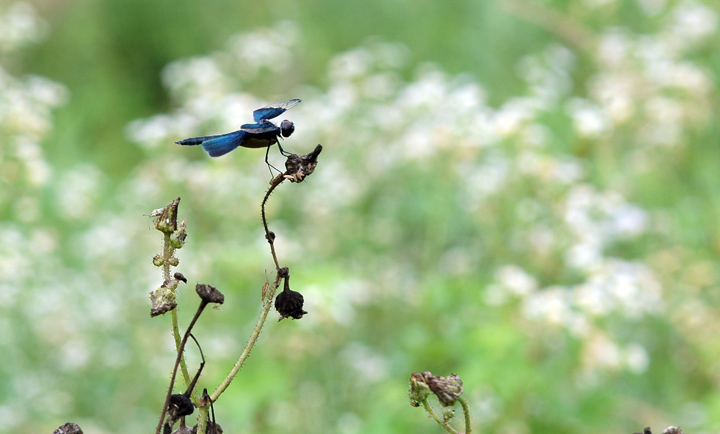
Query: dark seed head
(181, 405)
(209, 294)
(69, 428)
(298, 167)
(289, 304)
(180, 277)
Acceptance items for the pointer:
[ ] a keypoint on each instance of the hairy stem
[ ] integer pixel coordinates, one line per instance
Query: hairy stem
(267, 304)
(203, 412)
(437, 419)
(178, 359)
(466, 413)
(168, 252)
(178, 343)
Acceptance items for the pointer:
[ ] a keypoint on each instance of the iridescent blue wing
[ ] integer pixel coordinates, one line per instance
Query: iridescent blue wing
(271, 111)
(224, 143)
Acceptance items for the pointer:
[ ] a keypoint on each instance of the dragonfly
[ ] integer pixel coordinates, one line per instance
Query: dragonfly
(261, 134)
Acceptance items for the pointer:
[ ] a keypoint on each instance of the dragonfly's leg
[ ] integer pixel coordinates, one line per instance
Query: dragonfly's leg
(282, 151)
(270, 166)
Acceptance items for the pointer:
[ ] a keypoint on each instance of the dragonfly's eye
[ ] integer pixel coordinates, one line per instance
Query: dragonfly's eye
(286, 128)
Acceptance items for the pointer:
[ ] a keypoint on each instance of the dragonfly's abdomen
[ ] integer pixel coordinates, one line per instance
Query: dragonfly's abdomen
(196, 140)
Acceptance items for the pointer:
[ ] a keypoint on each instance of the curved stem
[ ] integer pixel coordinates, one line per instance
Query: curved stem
(180, 351)
(269, 235)
(178, 343)
(267, 303)
(466, 413)
(437, 419)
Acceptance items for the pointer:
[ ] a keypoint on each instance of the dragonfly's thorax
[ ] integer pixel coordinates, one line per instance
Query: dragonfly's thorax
(261, 140)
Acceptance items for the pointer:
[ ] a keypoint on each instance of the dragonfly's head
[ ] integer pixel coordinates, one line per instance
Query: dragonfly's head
(286, 128)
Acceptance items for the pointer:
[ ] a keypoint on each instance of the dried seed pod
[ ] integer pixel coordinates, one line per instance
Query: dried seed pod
(209, 294)
(447, 389)
(69, 428)
(289, 303)
(419, 390)
(180, 277)
(297, 167)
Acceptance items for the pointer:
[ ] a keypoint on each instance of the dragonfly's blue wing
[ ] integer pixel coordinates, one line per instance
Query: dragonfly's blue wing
(271, 111)
(222, 144)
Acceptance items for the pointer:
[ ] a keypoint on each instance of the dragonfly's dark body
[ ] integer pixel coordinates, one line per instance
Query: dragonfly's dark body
(261, 134)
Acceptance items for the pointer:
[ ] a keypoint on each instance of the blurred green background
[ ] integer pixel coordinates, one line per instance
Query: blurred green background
(522, 192)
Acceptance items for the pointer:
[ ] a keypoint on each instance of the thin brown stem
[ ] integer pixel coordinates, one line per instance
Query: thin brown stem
(270, 236)
(180, 351)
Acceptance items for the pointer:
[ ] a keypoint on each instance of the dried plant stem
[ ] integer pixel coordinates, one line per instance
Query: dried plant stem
(179, 359)
(168, 252)
(269, 235)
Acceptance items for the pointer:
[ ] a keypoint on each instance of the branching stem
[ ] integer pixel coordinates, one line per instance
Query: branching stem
(438, 419)
(180, 351)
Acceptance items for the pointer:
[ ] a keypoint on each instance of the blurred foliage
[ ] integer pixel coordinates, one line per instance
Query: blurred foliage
(524, 193)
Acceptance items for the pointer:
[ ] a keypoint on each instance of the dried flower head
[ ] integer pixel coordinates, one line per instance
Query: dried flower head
(289, 303)
(180, 277)
(180, 406)
(209, 294)
(163, 299)
(419, 390)
(447, 389)
(166, 218)
(297, 167)
(69, 428)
